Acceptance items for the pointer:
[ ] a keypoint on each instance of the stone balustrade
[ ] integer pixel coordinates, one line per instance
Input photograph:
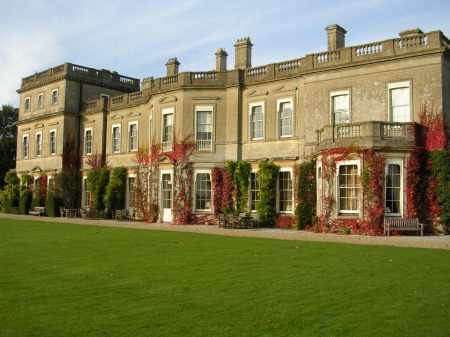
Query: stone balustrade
(366, 134)
(204, 145)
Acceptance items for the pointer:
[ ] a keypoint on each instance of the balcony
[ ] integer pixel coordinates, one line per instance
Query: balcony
(365, 134)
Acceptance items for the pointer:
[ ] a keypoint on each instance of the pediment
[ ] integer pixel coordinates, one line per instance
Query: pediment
(133, 114)
(38, 125)
(168, 99)
(285, 87)
(116, 116)
(36, 169)
(255, 93)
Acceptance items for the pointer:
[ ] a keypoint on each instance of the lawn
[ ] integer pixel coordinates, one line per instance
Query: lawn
(72, 280)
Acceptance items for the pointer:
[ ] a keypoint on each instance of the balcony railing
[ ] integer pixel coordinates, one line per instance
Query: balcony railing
(204, 145)
(371, 133)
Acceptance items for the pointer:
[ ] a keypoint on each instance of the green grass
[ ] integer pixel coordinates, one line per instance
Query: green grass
(71, 280)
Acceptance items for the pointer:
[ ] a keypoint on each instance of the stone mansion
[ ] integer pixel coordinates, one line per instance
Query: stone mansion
(288, 112)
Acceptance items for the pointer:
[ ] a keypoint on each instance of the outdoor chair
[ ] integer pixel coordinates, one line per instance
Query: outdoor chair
(83, 213)
(255, 220)
(118, 215)
(222, 221)
(62, 211)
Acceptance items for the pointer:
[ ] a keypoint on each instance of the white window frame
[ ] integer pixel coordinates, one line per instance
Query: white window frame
(210, 209)
(38, 144)
(129, 200)
(130, 143)
(250, 122)
(40, 100)
(280, 101)
(86, 194)
(113, 150)
(202, 144)
(338, 194)
(287, 211)
(401, 164)
(399, 85)
(27, 104)
(86, 152)
(55, 98)
(250, 192)
(167, 145)
(27, 154)
(332, 109)
(52, 153)
(319, 186)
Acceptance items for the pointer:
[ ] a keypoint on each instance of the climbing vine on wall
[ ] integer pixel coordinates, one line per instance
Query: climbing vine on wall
(240, 174)
(267, 178)
(223, 189)
(305, 192)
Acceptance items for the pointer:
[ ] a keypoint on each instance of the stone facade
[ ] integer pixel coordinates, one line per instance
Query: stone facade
(287, 112)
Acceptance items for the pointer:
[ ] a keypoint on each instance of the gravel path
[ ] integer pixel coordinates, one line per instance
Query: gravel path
(436, 242)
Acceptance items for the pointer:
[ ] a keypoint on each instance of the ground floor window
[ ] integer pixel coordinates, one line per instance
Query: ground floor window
(203, 192)
(254, 191)
(393, 190)
(131, 192)
(349, 189)
(86, 194)
(285, 191)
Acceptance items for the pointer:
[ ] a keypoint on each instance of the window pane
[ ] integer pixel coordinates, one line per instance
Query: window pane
(349, 188)
(257, 123)
(393, 189)
(285, 192)
(340, 109)
(285, 116)
(203, 192)
(400, 111)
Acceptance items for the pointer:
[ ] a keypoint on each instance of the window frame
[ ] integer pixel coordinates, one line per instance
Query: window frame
(40, 100)
(252, 201)
(391, 88)
(130, 194)
(203, 108)
(38, 144)
(251, 124)
(113, 150)
(287, 211)
(334, 94)
(86, 194)
(130, 142)
(86, 152)
(55, 99)
(25, 145)
(338, 187)
(281, 101)
(27, 104)
(167, 145)
(50, 142)
(398, 162)
(205, 200)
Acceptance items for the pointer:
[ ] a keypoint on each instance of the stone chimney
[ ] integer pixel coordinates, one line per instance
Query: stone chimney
(407, 32)
(336, 37)
(172, 66)
(221, 59)
(243, 54)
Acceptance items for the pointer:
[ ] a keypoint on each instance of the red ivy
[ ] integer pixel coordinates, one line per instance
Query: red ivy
(223, 188)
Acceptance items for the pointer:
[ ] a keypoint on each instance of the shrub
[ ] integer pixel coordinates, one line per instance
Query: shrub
(114, 197)
(266, 207)
(97, 180)
(25, 203)
(306, 194)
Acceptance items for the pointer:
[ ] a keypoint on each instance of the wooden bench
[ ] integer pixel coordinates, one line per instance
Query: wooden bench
(402, 224)
(37, 211)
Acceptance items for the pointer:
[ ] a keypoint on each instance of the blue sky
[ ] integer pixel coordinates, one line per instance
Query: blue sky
(136, 38)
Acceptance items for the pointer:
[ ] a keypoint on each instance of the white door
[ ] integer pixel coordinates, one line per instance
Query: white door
(166, 196)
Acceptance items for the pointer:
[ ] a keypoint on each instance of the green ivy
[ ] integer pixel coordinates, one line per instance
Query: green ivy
(267, 178)
(440, 170)
(306, 194)
(25, 203)
(240, 172)
(97, 180)
(114, 197)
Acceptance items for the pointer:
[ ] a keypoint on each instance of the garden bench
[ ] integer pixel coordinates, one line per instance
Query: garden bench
(402, 224)
(37, 211)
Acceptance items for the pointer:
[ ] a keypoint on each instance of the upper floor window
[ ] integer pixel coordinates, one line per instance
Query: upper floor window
(25, 146)
(40, 100)
(203, 192)
(167, 131)
(38, 144)
(115, 138)
(256, 121)
(204, 128)
(27, 104)
(88, 141)
(133, 136)
(340, 107)
(55, 96)
(393, 188)
(349, 187)
(285, 117)
(399, 102)
(285, 191)
(52, 143)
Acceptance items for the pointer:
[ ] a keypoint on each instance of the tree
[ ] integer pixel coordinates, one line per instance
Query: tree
(8, 139)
